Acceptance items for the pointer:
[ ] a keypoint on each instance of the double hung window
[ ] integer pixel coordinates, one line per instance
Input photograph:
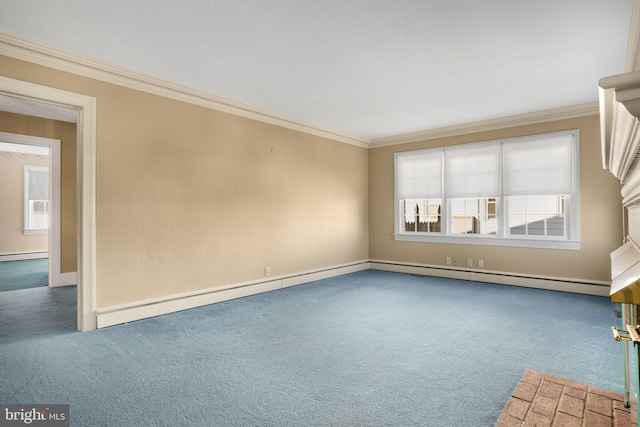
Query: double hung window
(36, 200)
(515, 192)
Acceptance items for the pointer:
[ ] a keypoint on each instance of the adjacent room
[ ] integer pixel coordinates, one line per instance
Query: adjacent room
(277, 213)
(25, 216)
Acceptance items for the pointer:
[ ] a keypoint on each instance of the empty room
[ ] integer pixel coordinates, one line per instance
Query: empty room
(297, 213)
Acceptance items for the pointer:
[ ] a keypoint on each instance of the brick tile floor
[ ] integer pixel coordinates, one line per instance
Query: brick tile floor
(544, 400)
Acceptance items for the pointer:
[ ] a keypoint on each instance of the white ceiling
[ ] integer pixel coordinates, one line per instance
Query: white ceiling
(364, 67)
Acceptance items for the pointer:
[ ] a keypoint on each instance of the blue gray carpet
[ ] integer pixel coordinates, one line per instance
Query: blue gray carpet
(24, 274)
(365, 349)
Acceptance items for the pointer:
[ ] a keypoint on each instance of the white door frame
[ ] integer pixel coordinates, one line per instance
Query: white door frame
(55, 278)
(86, 184)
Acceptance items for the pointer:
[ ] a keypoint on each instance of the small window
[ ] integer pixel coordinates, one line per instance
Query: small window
(36, 200)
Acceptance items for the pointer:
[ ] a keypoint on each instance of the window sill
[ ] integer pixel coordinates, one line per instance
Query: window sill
(35, 231)
(573, 245)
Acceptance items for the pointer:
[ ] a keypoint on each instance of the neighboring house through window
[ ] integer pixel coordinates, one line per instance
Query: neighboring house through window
(512, 192)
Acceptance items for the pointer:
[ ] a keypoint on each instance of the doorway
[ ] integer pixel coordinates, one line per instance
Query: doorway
(25, 214)
(85, 108)
(31, 178)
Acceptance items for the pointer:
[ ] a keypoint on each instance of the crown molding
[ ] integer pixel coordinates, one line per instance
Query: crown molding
(554, 114)
(48, 56)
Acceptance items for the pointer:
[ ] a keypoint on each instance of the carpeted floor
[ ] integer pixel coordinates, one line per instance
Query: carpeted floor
(24, 274)
(366, 349)
(34, 314)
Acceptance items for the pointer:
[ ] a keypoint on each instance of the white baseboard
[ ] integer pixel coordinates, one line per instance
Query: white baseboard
(65, 279)
(597, 288)
(114, 315)
(312, 276)
(109, 316)
(23, 256)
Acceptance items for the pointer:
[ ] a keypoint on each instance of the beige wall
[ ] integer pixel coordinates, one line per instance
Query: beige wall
(190, 198)
(67, 134)
(12, 238)
(600, 213)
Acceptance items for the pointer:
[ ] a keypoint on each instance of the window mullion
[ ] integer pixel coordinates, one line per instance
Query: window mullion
(500, 205)
(501, 215)
(445, 217)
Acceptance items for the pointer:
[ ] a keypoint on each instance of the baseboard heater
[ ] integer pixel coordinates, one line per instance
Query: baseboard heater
(23, 256)
(114, 315)
(597, 288)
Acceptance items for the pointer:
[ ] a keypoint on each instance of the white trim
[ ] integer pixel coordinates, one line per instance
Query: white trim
(619, 111)
(23, 256)
(30, 231)
(549, 243)
(570, 242)
(581, 110)
(129, 312)
(86, 177)
(588, 287)
(633, 47)
(38, 53)
(66, 279)
(620, 132)
(109, 316)
(24, 149)
(311, 276)
(86, 184)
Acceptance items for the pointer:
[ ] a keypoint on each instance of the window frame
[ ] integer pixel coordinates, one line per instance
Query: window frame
(571, 240)
(27, 229)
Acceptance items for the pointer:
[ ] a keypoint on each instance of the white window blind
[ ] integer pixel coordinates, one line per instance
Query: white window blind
(38, 185)
(539, 166)
(472, 171)
(420, 175)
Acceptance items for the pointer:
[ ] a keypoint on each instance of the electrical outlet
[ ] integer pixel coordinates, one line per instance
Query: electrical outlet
(455, 261)
(480, 262)
(447, 260)
(267, 271)
(469, 262)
